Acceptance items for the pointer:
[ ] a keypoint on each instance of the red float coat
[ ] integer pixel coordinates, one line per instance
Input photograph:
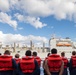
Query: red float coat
(5, 63)
(17, 60)
(74, 61)
(38, 60)
(65, 60)
(27, 64)
(54, 63)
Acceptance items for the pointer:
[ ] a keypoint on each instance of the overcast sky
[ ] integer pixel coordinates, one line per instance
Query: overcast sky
(37, 20)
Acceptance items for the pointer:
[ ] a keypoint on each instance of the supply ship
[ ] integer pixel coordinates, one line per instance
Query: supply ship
(62, 44)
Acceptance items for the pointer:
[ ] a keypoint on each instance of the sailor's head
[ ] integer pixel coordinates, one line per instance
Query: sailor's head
(0, 54)
(17, 55)
(28, 53)
(73, 52)
(48, 54)
(53, 51)
(7, 52)
(62, 54)
(34, 53)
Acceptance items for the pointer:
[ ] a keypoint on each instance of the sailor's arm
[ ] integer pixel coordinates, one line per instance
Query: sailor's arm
(61, 69)
(47, 68)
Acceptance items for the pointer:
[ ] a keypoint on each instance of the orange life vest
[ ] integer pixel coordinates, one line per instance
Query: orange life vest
(6, 63)
(17, 60)
(38, 60)
(74, 61)
(54, 63)
(65, 60)
(27, 64)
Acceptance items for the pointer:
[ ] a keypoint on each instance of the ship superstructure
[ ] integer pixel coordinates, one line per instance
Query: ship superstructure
(61, 44)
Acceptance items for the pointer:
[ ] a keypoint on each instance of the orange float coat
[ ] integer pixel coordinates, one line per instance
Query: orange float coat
(65, 60)
(17, 60)
(54, 63)
(74, 61)
(38, 60)
(27, 64)
(5, 63)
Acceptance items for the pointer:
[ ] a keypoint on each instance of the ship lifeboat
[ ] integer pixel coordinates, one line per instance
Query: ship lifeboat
(59, 44)
(67, 44)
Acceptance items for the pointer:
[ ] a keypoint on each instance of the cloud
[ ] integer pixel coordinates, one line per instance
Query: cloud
(13, 3)
(38, 44)
(4, 5)
(35, 22)
(19, 17)
(64, 9)
(60, 9)
(37, 38)
(20, 39)
(44, 8)
(5, 18)
(35, 7)
(33, 10)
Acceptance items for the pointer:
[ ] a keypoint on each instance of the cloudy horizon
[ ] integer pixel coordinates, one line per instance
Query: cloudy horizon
(37, 20)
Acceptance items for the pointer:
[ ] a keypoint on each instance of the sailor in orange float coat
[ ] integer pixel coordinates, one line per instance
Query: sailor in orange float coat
(54, 65)
(44, 63)
(28, 65)
(17, 59)
(37, 58)
(7, 64)
(66, 63)
(72, 63)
